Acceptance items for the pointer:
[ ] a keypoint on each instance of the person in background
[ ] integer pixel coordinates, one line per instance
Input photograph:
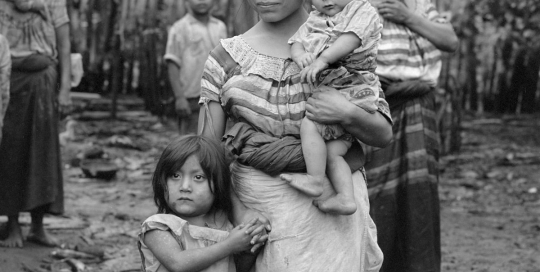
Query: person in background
(5, 71)
(403, 177)
(190, 40)
(30, 164)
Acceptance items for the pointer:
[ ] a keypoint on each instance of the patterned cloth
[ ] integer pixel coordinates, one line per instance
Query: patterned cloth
(265, 92)
(403, 177)
(5, 72)
(353, 75)
(188, 45)
(188, 237)
(28, 32)
(405, 55)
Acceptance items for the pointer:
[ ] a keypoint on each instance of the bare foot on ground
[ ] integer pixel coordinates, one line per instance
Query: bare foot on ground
(337, 204)
(14, 237)
(307, 184)
(43, 238)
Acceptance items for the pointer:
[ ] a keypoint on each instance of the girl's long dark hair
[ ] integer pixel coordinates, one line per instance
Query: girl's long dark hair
(213, 162)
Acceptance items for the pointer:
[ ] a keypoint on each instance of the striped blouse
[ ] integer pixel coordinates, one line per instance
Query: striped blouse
(263, 91)
(405, 55)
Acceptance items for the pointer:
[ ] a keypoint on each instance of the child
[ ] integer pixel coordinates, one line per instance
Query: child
(190, 40)
(191, 231)
(339, 39)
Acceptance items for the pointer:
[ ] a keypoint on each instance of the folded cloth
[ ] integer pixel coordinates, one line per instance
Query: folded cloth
(269, 154)
(31, 63)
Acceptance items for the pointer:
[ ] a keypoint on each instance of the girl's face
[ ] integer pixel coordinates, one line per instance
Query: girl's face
(330, 7)
(274, 11)
(189, 194)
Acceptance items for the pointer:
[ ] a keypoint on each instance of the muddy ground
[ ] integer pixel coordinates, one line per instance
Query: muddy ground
(490, 202)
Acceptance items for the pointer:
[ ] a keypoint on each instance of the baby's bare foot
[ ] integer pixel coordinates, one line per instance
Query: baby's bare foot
(14, 237)
(337, 204)
(41, 237)
(307, 184)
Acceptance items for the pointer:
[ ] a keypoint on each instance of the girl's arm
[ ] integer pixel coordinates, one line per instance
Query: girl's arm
(330, 107)
(170, 254)
(344, 45)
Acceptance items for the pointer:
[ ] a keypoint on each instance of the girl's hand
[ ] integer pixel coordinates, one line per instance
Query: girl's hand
(64, 101)
(241, 238)
(304, 60)
(309, 74)
(394, 10)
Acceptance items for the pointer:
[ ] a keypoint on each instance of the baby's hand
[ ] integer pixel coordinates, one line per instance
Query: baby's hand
(309, 74)
(304, 60)
(243, 236)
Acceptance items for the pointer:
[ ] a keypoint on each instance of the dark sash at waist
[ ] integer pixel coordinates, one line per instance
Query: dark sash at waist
(32, 63)
(399, 92)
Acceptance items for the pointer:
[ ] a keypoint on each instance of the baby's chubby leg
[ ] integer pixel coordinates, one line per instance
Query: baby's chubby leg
(339, 172)
(314, 150)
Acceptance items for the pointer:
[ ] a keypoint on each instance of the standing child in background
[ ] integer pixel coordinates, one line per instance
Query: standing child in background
(339, 39)
(192, 231)
(189, 42)
(5, 72)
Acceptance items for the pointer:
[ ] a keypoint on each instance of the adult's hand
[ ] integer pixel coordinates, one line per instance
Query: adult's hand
(328, 106)
(64, 101)
(394, 10)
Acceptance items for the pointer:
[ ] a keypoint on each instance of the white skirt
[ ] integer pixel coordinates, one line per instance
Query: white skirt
(303, 238)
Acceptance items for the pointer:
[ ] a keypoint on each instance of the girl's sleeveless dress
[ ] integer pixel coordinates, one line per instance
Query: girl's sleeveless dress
(265, 92)
(187, 236)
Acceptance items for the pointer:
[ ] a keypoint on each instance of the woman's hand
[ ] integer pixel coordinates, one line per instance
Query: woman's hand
(328, 106)
(394, 10)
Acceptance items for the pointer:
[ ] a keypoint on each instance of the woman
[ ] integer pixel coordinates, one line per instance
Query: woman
(403, 177)
(30, 167)
(252, 80)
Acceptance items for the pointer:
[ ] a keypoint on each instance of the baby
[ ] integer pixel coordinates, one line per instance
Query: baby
(336, 48)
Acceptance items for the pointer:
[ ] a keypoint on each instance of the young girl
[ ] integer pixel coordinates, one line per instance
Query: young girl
(191, 231)
(339, 39)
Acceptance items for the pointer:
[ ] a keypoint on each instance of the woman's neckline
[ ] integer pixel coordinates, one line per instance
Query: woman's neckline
(241, 38)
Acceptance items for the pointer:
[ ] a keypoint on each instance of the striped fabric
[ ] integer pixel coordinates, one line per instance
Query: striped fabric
(405, 55)
(264, 91)
(403, 177)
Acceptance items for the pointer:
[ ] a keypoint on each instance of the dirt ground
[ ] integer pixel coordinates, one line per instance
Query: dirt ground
(490, 202)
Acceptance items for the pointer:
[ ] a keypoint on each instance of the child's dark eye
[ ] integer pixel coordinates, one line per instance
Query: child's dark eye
(176, 176)
(199, 177)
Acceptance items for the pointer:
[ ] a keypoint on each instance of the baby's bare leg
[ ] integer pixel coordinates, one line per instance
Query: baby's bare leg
(339, 172)
(314, 150)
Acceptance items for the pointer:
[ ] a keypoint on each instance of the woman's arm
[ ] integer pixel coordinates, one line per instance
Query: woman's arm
(216, 123)
(64, 59)
(330, 107)
(440, 35)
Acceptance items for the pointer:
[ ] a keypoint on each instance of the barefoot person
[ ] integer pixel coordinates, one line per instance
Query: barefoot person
(252, 80)
(343, 34)
(403, 177)
(30, 166)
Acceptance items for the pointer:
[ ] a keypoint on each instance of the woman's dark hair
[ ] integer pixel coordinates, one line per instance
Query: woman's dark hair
(213, 162)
